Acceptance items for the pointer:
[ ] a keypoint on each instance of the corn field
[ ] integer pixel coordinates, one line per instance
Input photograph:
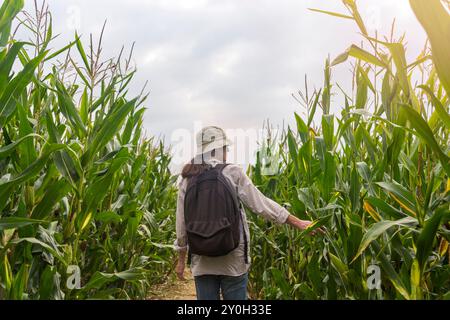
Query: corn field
(81, 191)
(375, 176)
(84, 192)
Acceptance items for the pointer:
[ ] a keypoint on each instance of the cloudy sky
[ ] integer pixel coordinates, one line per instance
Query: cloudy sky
(232, 63)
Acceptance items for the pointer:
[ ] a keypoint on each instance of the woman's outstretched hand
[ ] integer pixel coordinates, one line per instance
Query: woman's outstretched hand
(302, 224)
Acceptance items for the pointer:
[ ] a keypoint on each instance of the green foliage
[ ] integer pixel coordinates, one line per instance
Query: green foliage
(79, 185)
(376, 176)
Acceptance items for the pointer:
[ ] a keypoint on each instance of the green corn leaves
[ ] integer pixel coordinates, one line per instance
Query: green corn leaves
(17, 222)
(7, 62)
(401, 195)
(381, 227)
(428, 235)
(52, 196)
(424, 132)
(15, 88)
(10, 148)
(335, 14)
(67, 163)
(29, 173)
(376, 179)
(435, 19)
(108, 129)
(101, 278)
(440, 110)
(79, 185)
(358, 53)
(8, 11)
(69, 110)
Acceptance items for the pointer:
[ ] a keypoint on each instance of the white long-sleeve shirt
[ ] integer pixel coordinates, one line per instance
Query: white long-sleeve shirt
(232, 264)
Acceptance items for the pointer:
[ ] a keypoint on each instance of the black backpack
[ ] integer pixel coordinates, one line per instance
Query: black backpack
(212, 213)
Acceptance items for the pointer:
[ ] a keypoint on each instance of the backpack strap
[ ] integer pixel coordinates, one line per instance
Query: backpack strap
(243, 228)
(220, 167)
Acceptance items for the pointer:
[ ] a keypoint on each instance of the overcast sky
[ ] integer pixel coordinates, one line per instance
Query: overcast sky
(232, 63)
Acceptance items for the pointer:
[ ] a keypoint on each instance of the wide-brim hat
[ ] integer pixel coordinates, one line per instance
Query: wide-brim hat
(210, 138)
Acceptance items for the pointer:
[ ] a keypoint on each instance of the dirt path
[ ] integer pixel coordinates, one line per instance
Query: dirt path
(174, 289)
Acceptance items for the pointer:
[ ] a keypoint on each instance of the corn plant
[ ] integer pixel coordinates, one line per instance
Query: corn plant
(82, 191)
(375, 176)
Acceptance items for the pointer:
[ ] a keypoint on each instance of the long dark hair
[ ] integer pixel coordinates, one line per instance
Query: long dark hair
(197, 165)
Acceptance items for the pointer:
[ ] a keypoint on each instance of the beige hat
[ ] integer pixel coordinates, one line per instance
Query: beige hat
(210, 138)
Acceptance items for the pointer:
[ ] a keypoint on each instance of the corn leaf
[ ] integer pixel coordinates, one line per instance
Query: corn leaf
(334, 14)
(17, 222)
(8, 11)
(358, 53)
(15, 88)
(423, 131)
(443, 114)
(7, 63)
(27, 174)
(109, 128)
(51, 197)
(9, 148)
(401, 194)
(381, 227)
(428, 234)
(436, 22)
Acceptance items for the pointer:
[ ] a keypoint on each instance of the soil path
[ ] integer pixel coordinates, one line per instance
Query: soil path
(174, 289)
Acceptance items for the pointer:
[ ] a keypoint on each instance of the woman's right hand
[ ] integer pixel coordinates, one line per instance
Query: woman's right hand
(302, 224)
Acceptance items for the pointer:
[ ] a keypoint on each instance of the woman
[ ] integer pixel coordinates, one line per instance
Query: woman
(229, 273)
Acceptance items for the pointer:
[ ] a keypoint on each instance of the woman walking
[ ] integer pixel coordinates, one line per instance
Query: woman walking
(211, 224)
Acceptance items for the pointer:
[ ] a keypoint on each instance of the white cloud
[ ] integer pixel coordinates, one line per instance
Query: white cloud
(225, 61)
(171, 4)
(229, 62)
